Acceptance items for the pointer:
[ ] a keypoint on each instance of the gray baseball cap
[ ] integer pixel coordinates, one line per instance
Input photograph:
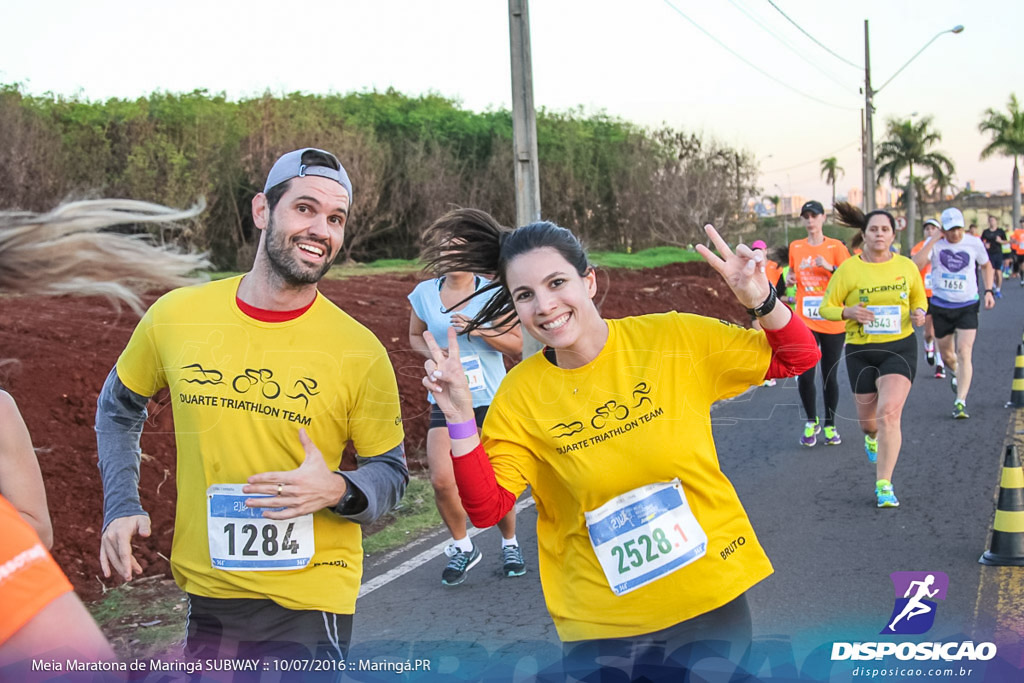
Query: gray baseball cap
(290, 166)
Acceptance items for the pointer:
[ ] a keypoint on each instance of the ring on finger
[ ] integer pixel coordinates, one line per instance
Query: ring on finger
(280, 487)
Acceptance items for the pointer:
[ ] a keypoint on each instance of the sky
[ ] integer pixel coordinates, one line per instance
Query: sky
(734, 70)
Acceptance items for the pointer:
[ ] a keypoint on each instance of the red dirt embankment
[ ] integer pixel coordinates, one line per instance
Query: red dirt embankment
(65, 347)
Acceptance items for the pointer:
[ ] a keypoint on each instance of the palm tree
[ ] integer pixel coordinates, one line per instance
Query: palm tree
(1008, 140)
(774, 199)
(909, 144)
(830, 169)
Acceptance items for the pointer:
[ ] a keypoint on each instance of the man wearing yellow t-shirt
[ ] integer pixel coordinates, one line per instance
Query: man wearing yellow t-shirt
(269, 381)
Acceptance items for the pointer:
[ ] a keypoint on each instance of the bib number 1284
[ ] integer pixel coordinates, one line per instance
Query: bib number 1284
(241, 539)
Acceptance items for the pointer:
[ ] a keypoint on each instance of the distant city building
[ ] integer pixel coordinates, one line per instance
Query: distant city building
(969, 186)
(790, 206)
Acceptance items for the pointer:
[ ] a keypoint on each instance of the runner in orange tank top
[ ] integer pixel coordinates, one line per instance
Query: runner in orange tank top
(811, 264)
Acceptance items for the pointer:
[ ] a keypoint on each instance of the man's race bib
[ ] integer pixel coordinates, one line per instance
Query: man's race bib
(953, 282)
(887, 320)
(474, 370)
(645, 534)
(241, 540)
(812, 307)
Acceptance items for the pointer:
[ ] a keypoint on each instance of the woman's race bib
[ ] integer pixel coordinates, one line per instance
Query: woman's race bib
(887, 320)
(241, 540)
(812, 307)
(645, 534)
(953, 282)
(474, 370)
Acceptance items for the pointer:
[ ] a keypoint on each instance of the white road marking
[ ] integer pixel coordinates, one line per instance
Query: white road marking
(424, 557)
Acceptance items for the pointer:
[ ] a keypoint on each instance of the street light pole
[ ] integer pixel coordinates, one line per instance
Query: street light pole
(869, 110)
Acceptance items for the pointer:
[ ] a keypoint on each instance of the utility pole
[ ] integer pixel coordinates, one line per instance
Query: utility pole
(524, 118)
(869, 133)
(864, 164)
(524, 129)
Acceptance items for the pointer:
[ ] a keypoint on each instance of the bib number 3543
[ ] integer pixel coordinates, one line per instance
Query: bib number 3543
(242, 540)
(645, 534)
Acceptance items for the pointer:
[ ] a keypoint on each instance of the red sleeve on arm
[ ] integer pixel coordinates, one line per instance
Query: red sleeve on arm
(485, 502)
(794, 349)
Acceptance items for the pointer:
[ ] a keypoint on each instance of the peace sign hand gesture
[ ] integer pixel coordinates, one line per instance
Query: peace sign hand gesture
(743, 270)
(446, 380)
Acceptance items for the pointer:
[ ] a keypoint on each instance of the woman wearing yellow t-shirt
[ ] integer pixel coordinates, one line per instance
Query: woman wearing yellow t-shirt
(881, 297)
(643, 545)
(811, 263)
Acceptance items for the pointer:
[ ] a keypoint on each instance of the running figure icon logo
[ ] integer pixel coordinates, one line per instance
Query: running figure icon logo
(914, 608)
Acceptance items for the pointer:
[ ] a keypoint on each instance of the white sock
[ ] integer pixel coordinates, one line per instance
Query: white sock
(929, 347)
(938, 361)
(505, 542)
(463, 544)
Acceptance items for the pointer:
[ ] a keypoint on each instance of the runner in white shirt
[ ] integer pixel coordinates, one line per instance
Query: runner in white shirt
(955, 300)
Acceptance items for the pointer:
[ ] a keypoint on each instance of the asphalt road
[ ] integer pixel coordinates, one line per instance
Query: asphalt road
(814, 512)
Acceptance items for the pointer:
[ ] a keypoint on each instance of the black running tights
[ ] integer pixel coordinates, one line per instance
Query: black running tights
(831, 346)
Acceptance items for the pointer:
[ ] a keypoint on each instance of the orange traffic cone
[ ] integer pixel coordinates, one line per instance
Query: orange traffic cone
(1007, 546)
(1017, 392)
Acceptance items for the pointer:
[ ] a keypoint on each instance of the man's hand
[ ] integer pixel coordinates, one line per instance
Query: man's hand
(917, 317)
(116, 545)
(310, 488)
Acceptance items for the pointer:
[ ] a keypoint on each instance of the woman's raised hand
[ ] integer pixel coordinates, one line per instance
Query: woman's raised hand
(743, 270)
(446, 380)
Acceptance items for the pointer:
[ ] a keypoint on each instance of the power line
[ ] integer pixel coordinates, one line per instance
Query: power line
(754, 66)
(816, 41)
(789, 47)
(811, 161)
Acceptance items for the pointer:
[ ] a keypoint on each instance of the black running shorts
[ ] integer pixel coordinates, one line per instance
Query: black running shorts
(865, 363)
(948, 320)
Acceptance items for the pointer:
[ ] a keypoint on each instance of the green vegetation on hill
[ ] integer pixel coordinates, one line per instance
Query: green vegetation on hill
(613, 183)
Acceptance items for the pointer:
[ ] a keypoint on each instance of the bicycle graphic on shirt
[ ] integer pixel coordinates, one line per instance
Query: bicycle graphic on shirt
(252, 377)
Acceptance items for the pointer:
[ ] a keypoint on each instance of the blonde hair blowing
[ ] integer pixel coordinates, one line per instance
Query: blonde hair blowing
(66, 251)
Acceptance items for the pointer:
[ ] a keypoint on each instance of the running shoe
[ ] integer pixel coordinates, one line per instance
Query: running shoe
(885, 495)
(929, 354)
(999, 294)
(871, 448)
(960, 410)
(512, 561)
(952, 380)
(940, 372)
(832, 437)
(459, 564)
(769, 383)
(811, 429)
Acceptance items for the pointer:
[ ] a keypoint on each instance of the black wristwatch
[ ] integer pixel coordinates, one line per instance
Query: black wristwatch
(990, 291)
(767, 306)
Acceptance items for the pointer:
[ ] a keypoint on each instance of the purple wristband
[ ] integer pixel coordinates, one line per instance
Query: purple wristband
(462, 430)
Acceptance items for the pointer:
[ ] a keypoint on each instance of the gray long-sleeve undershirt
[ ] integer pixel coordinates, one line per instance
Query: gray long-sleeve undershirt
(377, 485)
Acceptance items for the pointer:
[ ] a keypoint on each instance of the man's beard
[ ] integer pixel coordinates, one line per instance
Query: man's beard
(287, 266)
